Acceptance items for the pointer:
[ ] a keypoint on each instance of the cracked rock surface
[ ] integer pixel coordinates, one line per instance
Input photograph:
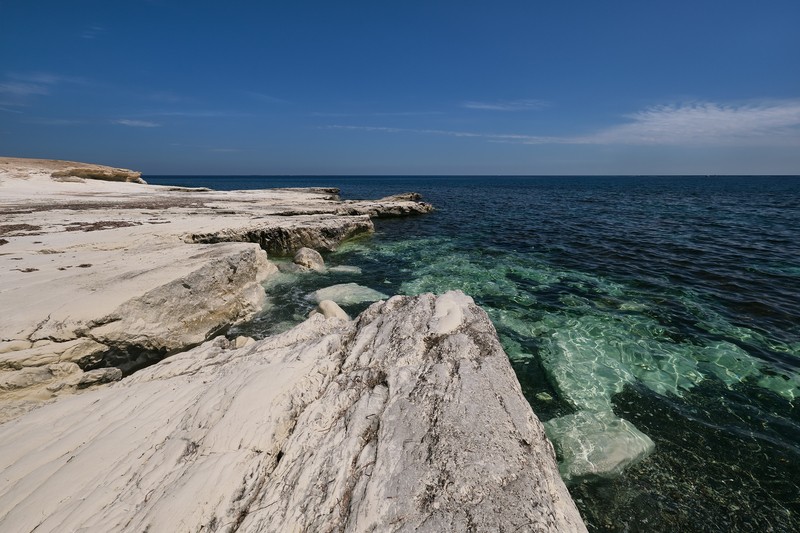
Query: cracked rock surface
(119, 273)
(408, 418)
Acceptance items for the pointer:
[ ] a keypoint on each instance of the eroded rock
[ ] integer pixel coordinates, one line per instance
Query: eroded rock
(409, 418)
(330, 309)
(98, 376)
(310, 259)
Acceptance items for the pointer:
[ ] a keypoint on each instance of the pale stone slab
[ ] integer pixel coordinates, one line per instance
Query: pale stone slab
(385, 423)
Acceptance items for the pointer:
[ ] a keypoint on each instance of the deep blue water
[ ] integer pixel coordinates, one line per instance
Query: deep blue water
(670, 302)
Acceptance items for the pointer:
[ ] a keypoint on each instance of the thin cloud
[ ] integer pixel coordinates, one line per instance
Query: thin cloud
(507, 105)
(19, 88)
(196, 114)
(22, 89)
(769, 122)
(376, 114)
(55, 121)
(165, 97)
(265, 97)
(706, 123)
(137, 123)
(44, 78)
(92, 32)
(509, 137)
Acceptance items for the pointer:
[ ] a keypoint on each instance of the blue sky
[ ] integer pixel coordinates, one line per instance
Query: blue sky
(411, 87)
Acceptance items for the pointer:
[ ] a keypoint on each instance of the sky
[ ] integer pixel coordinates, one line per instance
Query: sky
(429, 87)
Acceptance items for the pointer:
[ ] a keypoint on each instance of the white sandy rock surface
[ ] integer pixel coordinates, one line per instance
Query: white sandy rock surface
(119, 273)
(409, 418)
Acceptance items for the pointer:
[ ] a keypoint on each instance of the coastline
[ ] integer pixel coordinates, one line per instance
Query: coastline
(123, 274)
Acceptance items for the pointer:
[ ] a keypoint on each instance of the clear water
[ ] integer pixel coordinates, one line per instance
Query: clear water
(673, 302)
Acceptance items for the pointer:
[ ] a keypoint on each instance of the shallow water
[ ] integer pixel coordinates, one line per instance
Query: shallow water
(673, 302)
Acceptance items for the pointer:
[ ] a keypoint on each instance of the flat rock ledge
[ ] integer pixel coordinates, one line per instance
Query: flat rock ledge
(408, 418)
(101, 270)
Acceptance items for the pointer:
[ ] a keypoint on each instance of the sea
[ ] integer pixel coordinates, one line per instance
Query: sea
(672, 303)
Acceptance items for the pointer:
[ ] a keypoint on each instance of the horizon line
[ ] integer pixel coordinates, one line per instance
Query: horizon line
(773, 175)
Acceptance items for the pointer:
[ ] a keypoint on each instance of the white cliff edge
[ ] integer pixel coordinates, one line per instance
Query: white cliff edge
(101, 270)
(408, 418)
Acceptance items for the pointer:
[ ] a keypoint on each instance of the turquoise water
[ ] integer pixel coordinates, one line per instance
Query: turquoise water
(672, 303)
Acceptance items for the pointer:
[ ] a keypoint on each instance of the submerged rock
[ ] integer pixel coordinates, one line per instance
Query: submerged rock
(409, 418)
(347, 294)
(345, 269)
(596, 444)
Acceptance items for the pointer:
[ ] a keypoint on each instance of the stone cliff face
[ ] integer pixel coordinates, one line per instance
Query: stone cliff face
(407, 419)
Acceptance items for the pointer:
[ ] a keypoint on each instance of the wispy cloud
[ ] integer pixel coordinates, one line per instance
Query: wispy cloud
(165, 97)
(377, 114)
(196, 114)
(55, 121)
(509, 137)
(747, 124)
(207, 148)
(507, 105)
(16, 88)
(136, 123)
(92, 32)
(265, 97)
(706, 123)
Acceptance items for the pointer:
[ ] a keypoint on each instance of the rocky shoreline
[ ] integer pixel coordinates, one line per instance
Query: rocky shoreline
(406, 418)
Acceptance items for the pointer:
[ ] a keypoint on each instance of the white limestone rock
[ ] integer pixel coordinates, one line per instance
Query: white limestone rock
(309, 259)
(409, 418)
(99, 376)
(241, 341)
(330, 309)
(347, 294)
(186, 311)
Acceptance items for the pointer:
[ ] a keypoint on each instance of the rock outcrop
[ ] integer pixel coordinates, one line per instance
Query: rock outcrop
(67, 171)
(109, 274)
(409, 418)
(309, 259)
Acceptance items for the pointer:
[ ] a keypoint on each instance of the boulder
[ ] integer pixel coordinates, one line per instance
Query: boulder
(330, 309)
(309, 259)
(241, 341)
(407, 419)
